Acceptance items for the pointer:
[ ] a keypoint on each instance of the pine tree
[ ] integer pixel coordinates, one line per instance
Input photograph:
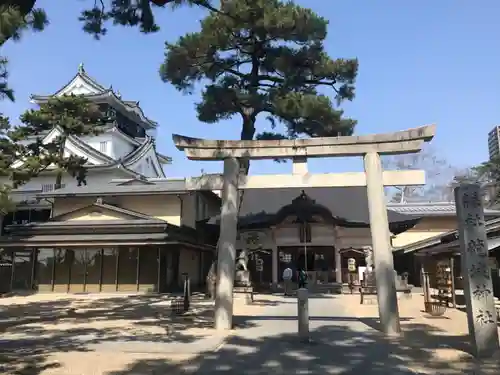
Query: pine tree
(487, 174)
(5, 91)
(264, 57)
(17, 16)
(73, 116)
(13, 20)
(9, 152)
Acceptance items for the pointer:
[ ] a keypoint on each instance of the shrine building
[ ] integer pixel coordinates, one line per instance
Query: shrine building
(134, 229)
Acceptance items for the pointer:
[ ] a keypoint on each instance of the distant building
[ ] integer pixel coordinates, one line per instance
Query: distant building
(126, 148)
(494, 142)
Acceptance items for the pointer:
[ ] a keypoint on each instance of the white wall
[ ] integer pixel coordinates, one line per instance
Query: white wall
(121, 147)
(95, 142)
(353, 237)
(117, 147)
(145, 166)
(188, 216)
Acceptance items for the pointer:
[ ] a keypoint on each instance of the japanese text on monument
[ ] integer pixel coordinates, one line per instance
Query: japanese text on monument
(477, 274)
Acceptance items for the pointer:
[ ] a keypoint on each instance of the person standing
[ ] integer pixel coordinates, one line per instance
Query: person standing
(302, 276)
(287, 280)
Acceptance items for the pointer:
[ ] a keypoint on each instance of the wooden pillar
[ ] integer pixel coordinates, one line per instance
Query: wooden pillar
(274, 261)
(176, 261)
(201, 262)
(117, 267)
(452, 275)
(338, 265)
(13, 269)
(158, 270)
(33, 258)
(85, 259)
(101, 257)
(138, 267)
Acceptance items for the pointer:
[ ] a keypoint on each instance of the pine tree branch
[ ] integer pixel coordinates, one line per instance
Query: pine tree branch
(19, 15)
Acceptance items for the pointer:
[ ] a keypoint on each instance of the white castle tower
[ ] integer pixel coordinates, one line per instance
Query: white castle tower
(125, 149)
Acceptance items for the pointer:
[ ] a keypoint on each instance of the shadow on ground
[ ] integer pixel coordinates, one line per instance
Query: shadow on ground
(31, 331)
(336, 348)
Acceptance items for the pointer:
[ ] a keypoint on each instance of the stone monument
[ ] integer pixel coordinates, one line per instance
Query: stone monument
(368, 252)
(478, 288)
(242, 276)
(243, 289)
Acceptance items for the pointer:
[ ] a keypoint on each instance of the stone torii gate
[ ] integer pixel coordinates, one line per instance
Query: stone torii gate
(370, 147)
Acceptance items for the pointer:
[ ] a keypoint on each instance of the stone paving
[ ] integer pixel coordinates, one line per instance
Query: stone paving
(56, 334)
(96, 334)
(267, 342)
(442, 340)
(344, 337)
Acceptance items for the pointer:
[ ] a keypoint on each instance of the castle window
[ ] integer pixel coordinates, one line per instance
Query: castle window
(47, 187)
(103, 147)
(111, 113)
(50, 187)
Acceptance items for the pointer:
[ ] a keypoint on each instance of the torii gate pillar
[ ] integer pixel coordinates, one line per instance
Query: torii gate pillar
(226, 257)
(369, 147)
(381, 245)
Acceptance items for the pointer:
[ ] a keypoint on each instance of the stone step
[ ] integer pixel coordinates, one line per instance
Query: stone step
(319, 289)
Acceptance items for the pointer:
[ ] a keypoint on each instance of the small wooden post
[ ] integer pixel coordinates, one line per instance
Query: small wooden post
(453, 289)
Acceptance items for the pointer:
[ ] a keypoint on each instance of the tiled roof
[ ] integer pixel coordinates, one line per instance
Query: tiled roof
(449, 238)
(431, 209)
(101, 93)
(347, 205)
(134, 186)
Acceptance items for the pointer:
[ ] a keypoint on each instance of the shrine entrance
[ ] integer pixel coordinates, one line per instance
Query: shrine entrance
(374, 178)
(315, 260)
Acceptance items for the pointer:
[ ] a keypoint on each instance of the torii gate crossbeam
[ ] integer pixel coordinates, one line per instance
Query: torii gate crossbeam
(370, 147)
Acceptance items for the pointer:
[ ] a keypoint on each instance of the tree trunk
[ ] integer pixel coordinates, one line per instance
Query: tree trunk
(59, 175)
(249, 116)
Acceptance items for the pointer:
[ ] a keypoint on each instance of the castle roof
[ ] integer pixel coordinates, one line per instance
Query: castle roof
(96, 160)
(83, 84)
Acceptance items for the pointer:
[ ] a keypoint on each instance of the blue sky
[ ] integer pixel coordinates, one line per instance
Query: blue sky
(421, 62)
